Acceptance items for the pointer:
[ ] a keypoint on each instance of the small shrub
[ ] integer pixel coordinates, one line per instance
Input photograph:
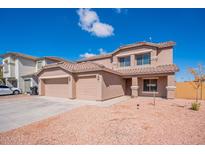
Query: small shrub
(195, 106)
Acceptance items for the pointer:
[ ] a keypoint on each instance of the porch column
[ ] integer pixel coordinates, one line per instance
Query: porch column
(171, 86)
(99, 78)
(72, 87)
(132, 60)
(41, 88)
(134, 87)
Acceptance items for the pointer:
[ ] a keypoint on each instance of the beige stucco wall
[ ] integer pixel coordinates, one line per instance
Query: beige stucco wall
(88, 86)
(132, 52)
(161, 89)
(53, 72)
(158, 56)
(105, 61)
(165, 56)
(171, 86)
(112, 85)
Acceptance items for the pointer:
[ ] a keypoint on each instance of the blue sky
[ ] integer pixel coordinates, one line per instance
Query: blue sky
(73, 33)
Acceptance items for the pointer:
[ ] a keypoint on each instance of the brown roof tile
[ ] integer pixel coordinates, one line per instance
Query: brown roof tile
(158, 45)
(80, 67)
(18, 55)
(171, 68)
(57, 59)
(90, 66)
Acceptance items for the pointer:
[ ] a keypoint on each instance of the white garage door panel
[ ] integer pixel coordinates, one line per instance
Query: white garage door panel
(57, 87)
(86, 88)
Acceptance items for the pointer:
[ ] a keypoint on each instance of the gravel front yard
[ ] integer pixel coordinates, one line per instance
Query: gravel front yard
(168, 122)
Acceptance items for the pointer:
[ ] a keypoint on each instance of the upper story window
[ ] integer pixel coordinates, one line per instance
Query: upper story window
(39, 65)
(143, 59)
(124, 61)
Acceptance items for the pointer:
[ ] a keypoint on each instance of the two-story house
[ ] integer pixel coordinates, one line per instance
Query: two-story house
(139, 69)
(1, 74)
(19, 69)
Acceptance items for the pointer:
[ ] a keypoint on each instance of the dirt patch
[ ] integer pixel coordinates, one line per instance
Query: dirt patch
(123, 123)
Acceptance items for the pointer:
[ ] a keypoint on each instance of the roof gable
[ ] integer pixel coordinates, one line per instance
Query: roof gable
(137, 44)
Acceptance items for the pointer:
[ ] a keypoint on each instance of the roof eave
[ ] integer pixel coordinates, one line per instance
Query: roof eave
(18, 55)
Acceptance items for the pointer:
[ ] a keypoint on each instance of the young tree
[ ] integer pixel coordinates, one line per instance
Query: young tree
(199, 78)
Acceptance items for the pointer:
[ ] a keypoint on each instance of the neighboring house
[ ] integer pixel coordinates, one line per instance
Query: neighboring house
(19, 69)
(137, 69)
(1, 74)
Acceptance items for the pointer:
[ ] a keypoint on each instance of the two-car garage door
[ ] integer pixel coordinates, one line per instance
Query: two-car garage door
(86, 88)
(56, 87)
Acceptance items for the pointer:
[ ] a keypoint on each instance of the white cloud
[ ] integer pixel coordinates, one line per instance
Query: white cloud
(87, 18)
(102, 30)
(90, 22)
(87, 55)
(102, 51)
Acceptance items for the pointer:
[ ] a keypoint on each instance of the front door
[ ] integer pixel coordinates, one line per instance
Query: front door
(128, 87)
(27, 85)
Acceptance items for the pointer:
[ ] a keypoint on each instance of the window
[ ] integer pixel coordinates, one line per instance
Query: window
(124, 61)
(150, 85)
(39, 65)
(4, 87)
(143, 59)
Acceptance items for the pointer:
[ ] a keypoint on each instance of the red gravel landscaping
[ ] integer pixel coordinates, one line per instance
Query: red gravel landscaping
(168, 122)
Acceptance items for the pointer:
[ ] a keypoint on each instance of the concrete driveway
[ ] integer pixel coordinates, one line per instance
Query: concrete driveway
(16, 111)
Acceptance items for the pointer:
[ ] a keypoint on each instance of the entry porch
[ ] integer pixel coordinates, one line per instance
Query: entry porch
(147, 85)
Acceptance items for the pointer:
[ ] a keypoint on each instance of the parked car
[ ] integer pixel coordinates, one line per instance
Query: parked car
(5, 90)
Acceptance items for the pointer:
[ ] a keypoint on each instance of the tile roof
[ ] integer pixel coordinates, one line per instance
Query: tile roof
(90, 66)
(80, 67)
(170, 68)
(57, 59)
(157, 45)
(18, 55)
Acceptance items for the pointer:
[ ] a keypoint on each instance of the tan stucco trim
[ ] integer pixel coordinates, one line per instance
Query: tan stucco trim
(150, 78)
(136, 53)
(57, 76)
(86, 75)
